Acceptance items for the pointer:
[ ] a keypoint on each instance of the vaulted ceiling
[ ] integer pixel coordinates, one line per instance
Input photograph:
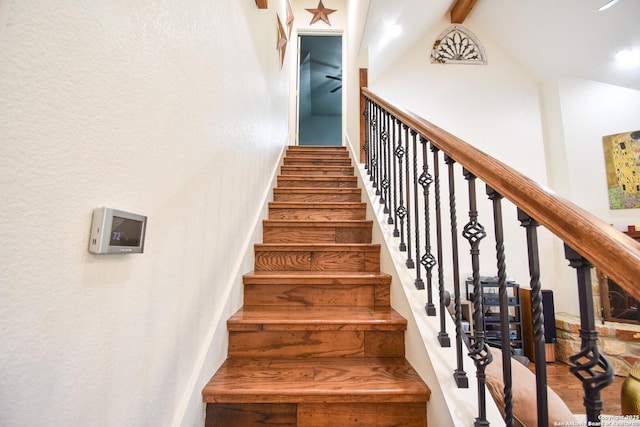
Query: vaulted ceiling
(550, 38)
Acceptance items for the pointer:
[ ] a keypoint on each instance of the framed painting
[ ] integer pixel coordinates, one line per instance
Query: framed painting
(622, 161)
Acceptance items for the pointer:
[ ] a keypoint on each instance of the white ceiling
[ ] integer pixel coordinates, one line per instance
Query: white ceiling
(550, 38)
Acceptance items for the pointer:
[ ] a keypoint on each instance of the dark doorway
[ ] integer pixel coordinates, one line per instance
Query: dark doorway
(320, 90)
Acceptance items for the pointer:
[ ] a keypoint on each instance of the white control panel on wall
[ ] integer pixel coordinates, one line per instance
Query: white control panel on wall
(117, 232)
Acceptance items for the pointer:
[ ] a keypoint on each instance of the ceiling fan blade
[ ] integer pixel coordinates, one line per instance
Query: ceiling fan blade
(334, 77)
(337, 88)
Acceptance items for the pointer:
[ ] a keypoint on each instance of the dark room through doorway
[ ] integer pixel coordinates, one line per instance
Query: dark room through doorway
(320, 90)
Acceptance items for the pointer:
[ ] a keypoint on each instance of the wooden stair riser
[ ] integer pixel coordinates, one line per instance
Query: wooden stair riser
(317, 170)
(316, 344)
(293, 181)
(379, 414)
(317, 295)
(320, 258)
(317, 212)
(333, 155)
(318, 154)
(317, 195)
(316, 232)
(314, 161)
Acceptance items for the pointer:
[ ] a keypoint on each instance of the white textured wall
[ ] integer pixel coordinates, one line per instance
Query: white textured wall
(494, 107)
(579, 113)
(172, 109)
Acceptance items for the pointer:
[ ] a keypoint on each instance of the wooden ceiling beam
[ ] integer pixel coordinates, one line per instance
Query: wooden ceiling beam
(461, 10)
(262, 4)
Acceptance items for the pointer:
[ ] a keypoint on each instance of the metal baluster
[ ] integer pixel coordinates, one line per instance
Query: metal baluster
(372, 144)
(496, 198)
(537, 314)
(419, 283)
(409, 262)
(443, 337)
(376, 160)
(427, 260)
(384, 185)
(401, 211)
(589, 365)
(384, 138)
(396, 132)
(367, 127)
(478, 350)
(460, 375)
(390, 209)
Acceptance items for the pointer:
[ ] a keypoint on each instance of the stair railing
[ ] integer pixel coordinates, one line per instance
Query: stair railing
(397, 145)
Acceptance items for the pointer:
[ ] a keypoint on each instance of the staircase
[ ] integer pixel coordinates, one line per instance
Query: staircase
(316, 343)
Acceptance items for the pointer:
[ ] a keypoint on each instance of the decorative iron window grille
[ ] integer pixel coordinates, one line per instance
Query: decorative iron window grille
(457, 45)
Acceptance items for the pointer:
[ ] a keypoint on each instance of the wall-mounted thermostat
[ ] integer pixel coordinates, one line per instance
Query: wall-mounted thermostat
(116, 232)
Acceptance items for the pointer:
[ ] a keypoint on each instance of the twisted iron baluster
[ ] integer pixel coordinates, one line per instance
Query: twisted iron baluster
(460, 375)
(383, 154)
(443, 337)
(537, 316)
(378, 142)
(386, 182)
(478, 350)
(396, 132)
(504, 305)
(409, 262)
(419, 283)
(372, 144)
(589, 365)
(367, 127)
(428, 261)
(401, 211)
(391, 207)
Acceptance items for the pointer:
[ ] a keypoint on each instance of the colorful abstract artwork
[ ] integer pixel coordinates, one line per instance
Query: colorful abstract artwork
(622, 160)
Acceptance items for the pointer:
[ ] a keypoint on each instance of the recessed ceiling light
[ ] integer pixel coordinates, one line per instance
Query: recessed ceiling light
(608, 5)
(628, 58)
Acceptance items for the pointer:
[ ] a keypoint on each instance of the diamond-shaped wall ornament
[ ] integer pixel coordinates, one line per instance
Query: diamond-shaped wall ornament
(457, 45)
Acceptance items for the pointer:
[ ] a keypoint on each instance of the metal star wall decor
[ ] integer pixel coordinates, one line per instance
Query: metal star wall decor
(282, 41)
(320, 13)
(290, 17)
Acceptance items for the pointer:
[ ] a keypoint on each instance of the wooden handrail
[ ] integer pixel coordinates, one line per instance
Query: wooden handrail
(612, 252)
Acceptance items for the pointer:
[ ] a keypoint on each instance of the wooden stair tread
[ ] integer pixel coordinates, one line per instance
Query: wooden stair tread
(315, 161)
(316, 190)
(317, 205)
(317, 277)
(301, 223)
(318, 247)
(294, 223)
(316, 318)
(317, 178)
(316, 380)
(318, 167)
